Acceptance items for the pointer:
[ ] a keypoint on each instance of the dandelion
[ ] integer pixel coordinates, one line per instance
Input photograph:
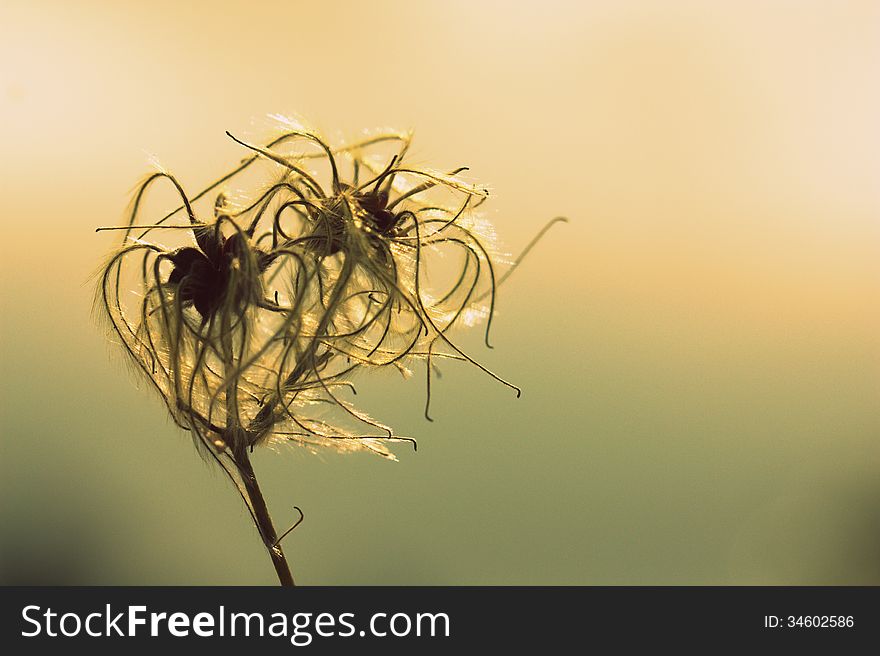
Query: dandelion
(250, 323)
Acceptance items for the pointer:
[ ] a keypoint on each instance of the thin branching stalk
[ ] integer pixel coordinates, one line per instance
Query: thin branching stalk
(252, 493)
(262, 518)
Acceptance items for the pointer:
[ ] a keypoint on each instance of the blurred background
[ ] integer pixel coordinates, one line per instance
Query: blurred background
(699, 347)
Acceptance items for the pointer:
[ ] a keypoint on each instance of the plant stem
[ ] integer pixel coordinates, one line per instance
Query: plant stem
(264, 521)
(243, 462)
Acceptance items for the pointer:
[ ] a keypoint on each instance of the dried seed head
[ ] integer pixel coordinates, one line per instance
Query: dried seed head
(252, 323)
(249, 324)
(206, 324)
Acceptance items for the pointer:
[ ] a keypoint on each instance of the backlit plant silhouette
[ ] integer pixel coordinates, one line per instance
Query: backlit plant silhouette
(250, 318)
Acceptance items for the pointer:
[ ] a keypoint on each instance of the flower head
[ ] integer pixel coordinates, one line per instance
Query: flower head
(228, 332)
(250, 322)
(382, 244)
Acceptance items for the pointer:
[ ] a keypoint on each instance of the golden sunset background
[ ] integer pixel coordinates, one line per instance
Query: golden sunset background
(699, 348)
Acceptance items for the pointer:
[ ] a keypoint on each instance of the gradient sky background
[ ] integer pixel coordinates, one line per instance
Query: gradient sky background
(699, 347)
